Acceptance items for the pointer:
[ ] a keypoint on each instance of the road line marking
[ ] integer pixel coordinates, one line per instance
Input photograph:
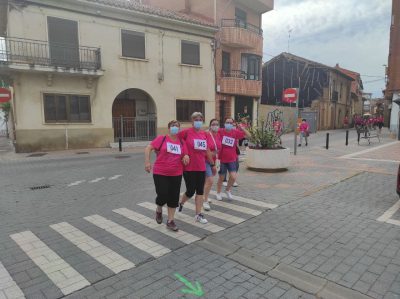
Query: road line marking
(237, 208)
(253, 202)
(96, 250)
(393, 221)
(216, 214)
(374, 160)
(115, 177)
(50, 263)
(128, 236)
(97, 180)
(368, 150)
(150, 222)
(76, 183)
(389, 213)
(185, 218)
(8, 287)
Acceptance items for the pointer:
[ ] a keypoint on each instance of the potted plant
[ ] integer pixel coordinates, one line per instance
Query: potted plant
(265, 152)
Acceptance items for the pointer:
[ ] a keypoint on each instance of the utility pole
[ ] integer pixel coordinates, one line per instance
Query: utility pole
(288, 42)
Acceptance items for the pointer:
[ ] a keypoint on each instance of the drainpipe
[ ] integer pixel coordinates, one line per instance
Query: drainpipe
(188, 6)
(66, 138)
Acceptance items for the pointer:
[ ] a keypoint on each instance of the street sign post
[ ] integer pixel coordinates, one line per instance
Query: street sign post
(5, 95)
(291, 95)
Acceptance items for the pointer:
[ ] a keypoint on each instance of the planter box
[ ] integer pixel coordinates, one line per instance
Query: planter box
(268, 160)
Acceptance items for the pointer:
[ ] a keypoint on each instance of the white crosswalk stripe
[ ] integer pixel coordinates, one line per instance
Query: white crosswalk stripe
(8, 287)
(236, 208)
(216, 214)
(149, 222)
(98, 251)
(97, 180)
(253, 202)
(128, 236)
(185, 218)
(76, 183)
(115, 177)
(60, 272)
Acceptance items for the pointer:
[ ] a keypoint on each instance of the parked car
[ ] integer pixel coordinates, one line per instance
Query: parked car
(398, 181)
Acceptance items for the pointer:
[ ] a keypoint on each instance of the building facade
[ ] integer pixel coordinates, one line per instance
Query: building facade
(357, 90)
(392, 92)
(84, 73)
(238, 50)
(323, 89)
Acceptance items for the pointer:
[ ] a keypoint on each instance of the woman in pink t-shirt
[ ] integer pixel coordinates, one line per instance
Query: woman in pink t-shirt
(304, 131)
(194, 173)
(214, 143)
(172, 155)
(229, 137)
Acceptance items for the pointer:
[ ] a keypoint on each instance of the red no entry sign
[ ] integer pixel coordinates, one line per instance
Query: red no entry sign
(290, 95)
(5, 95)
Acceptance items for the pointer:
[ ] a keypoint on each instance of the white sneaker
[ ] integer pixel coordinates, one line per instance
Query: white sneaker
(206, 206)
(229, 195)
(235, 184)
(225, 183)
(200, 218)
(218, 196)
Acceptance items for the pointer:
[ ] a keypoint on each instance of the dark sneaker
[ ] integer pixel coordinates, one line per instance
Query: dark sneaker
(299, 145)
(180, 207)
(306, 144)
(159, 217)
(172, 226)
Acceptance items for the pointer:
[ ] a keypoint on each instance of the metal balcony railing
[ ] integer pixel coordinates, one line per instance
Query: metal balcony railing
(42, 53)
(241, 24)
(239, 74)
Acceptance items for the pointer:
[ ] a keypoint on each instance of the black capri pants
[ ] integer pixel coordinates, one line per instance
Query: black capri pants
(194, 181)
(168, 190)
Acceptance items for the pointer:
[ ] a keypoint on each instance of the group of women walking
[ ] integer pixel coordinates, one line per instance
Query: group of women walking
(196, 155)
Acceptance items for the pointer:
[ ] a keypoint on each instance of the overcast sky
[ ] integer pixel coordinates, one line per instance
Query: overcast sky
(353, 33)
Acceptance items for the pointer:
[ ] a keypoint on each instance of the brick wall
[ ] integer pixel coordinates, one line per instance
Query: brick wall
(394, 50)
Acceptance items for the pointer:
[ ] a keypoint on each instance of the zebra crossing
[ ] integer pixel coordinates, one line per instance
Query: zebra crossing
(118, 224)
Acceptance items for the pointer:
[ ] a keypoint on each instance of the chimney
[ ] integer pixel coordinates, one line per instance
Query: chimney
(188, 6)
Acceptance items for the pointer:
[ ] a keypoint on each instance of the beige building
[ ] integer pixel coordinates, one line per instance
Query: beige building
(81, 68)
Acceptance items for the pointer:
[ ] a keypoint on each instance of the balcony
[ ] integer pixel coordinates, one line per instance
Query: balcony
(238, 82)
(238, 34)
(25, 55)
(260, 6)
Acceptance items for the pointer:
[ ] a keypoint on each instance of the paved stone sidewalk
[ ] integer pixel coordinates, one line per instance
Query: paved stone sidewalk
(218, 276)
(333, 234)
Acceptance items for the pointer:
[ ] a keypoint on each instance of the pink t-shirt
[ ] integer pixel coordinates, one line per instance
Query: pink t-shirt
(196, 143)
(212, 144)
(229, 142)
(169, 158)
(304, 127)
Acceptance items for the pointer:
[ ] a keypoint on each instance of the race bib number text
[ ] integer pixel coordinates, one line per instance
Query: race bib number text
(200, 144)
(173, 148)
(228, 141)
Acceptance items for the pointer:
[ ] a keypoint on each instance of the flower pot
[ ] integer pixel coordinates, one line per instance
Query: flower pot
(268, 159)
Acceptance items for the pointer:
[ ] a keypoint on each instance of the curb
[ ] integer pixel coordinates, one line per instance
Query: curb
(304, 281)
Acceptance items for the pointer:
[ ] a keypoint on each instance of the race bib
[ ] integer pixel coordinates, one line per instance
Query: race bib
(200, 144)
(228, 141)
(173, 148)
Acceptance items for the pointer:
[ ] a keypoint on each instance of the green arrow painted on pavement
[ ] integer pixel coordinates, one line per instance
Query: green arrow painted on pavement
(194, 290)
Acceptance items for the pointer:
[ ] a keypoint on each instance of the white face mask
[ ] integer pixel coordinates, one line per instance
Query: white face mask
(214, 128)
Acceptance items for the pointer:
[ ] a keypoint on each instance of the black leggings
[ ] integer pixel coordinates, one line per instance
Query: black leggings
(194, 181)
(168, 189)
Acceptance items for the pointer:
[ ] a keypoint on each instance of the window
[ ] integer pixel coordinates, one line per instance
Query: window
(66, 108)
(133, 44)
(240, 18)
(185, 108)
(190, 52)
(226, 62)
(251, 65)
(63, 42)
